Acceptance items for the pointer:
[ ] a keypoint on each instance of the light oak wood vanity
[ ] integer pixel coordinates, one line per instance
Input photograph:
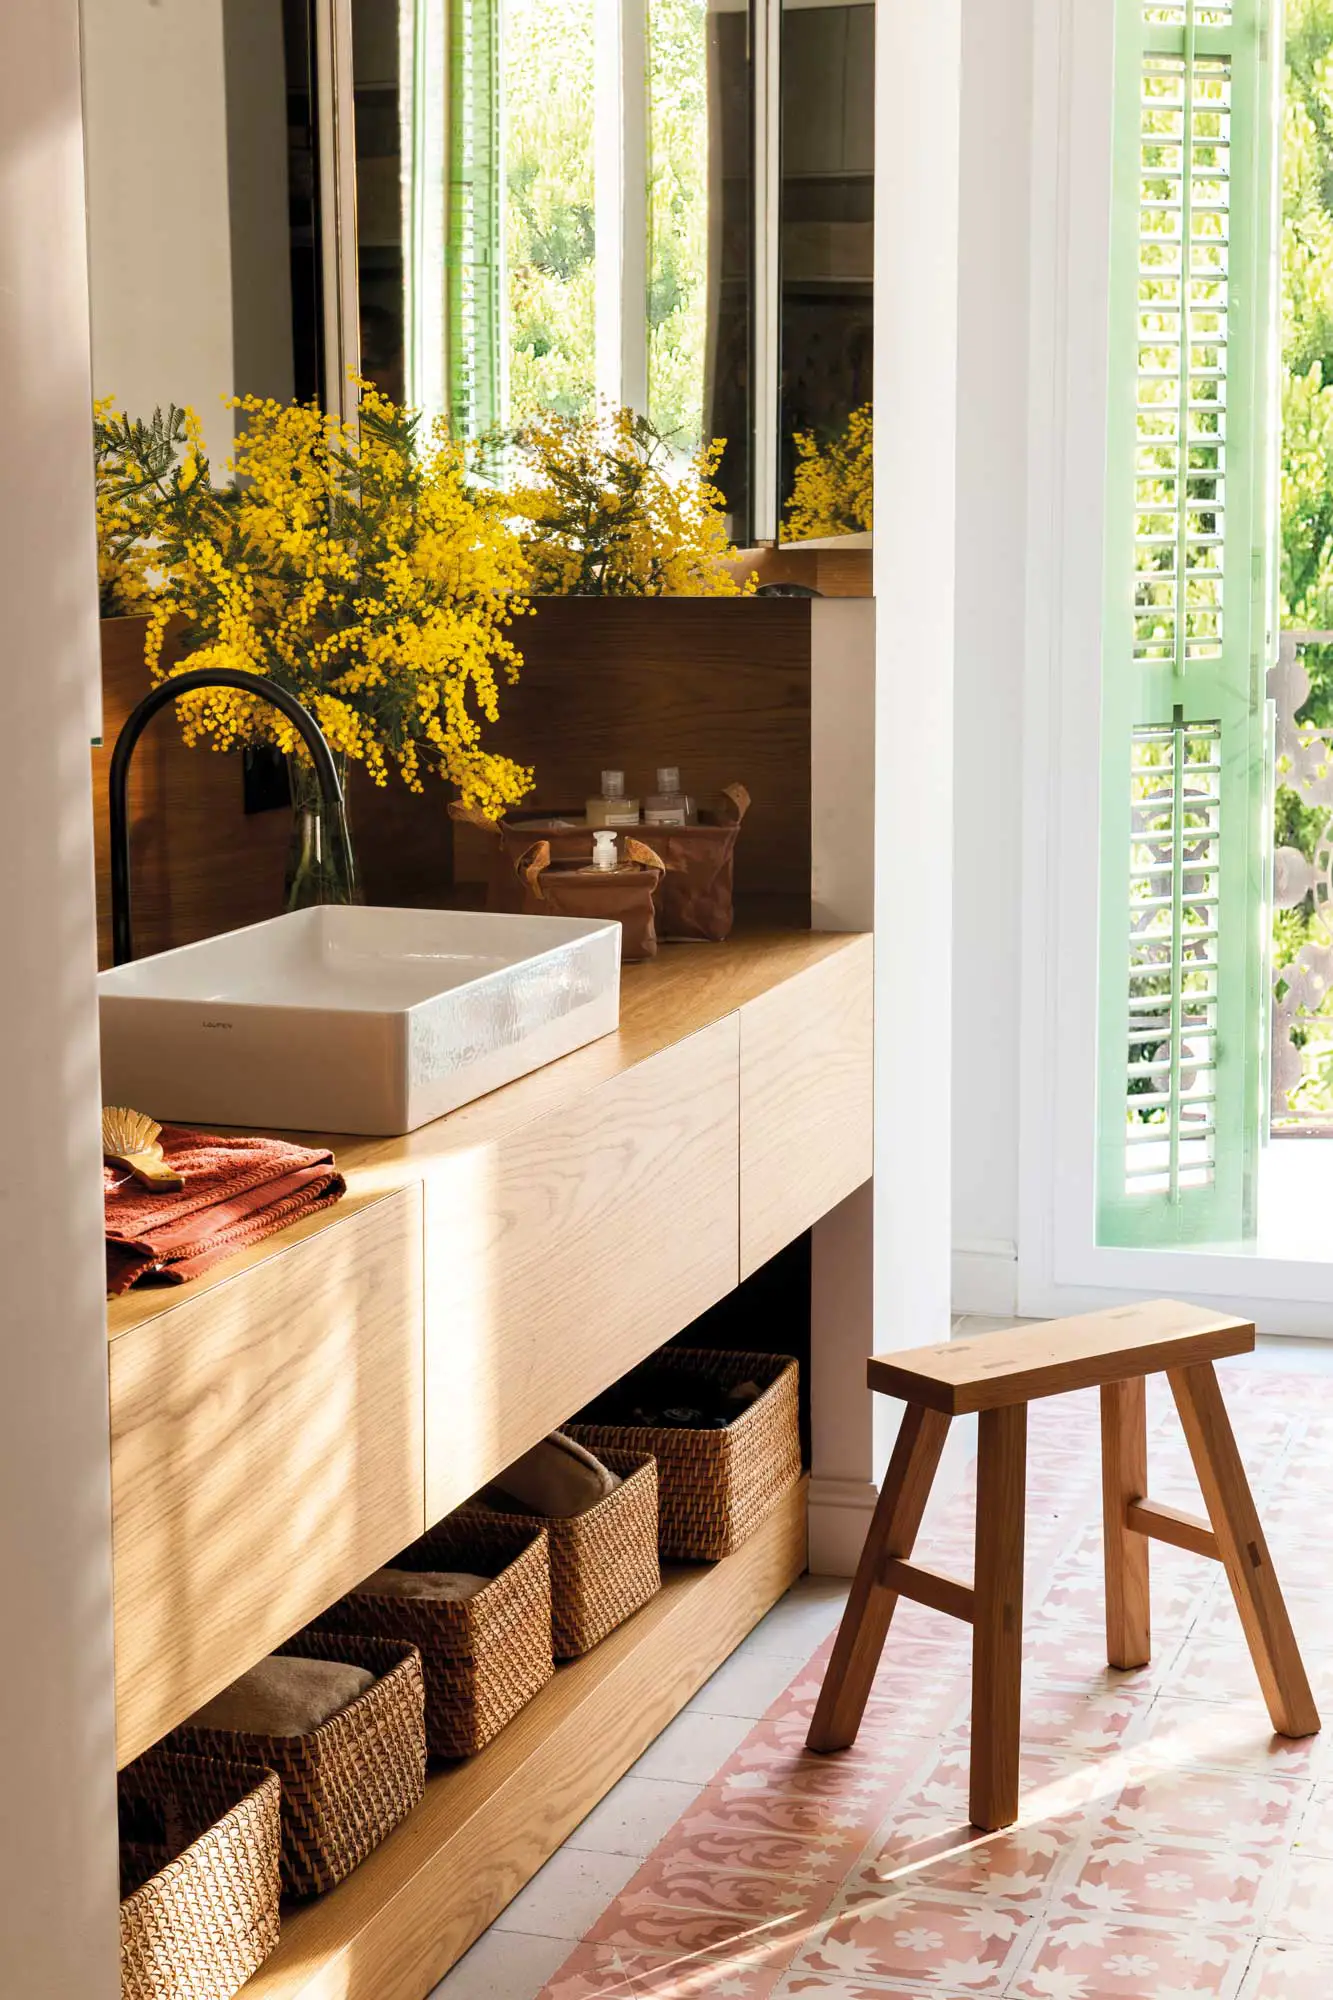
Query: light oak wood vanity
(287, 1424)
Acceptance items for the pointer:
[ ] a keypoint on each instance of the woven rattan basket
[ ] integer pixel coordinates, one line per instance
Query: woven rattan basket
(199, 1876)
(483, 1658)
(349, 1782)
(715, 1487)
(604, 1563)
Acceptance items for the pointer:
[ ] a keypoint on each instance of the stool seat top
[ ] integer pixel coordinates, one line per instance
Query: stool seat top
(993, 1370)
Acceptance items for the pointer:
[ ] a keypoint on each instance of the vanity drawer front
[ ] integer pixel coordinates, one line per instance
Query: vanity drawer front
(266, 1454)
(807, 1102)
(563, 1253)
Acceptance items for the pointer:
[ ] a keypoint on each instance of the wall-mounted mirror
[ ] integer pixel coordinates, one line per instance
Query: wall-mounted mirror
(495, 208)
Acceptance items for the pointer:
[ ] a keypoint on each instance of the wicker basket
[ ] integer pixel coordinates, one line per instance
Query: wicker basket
(483, 1658)
(349, 1782)
(604, 1563)
(199, 1876)
(717, 1486)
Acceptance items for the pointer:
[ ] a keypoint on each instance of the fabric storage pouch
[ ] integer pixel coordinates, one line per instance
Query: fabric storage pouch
(604, 1564)
(348, 1782)
(696, 900)
(626, 893)
(483, 1657)
(716, 1485)
(199, 1849)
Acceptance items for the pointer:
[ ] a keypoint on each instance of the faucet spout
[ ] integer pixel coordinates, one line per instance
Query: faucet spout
(326, 772)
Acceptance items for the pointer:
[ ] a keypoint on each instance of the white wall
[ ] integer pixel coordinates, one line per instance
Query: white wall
(58, 1887)
(992, 522)
(160, 226)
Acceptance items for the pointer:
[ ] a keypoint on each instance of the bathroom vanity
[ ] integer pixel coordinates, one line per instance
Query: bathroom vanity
(287, 1424)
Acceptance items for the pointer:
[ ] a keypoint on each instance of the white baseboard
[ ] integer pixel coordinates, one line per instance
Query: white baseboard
(839, 1512)
(985, 1278)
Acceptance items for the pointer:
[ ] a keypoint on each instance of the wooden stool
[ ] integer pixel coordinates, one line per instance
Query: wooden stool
(998, 1375)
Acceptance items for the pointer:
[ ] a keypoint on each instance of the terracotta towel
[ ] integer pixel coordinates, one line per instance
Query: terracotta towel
(237, 1191)
(437, 1585)
(284, 1696)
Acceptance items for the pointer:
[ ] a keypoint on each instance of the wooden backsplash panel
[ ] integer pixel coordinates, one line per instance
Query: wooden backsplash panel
(720, 687)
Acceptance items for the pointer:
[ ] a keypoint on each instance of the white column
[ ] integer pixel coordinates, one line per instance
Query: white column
(881, 1274)
(58, 1887)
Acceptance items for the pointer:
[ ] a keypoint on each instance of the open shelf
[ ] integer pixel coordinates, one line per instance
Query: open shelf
(485, 1827)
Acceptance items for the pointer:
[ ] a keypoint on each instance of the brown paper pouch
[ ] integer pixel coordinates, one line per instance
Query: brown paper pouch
(625, 894)
(697, 896)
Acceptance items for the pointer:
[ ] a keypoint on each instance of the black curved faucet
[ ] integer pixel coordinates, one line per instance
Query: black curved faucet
(122, 934)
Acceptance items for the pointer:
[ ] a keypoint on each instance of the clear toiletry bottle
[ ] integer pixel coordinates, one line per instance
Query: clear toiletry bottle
(612, 808)
(604, 850)
(668, 805)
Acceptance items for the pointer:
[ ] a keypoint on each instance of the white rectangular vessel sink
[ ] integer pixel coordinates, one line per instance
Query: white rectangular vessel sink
(353, 1020)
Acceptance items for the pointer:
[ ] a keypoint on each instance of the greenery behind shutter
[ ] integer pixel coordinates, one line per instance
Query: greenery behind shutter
(1189, 623)
(476, 328)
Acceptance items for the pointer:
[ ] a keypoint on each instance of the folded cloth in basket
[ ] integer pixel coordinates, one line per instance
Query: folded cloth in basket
(284, 1696)
(236, 1192)
(437, 1586)
(557, 1478)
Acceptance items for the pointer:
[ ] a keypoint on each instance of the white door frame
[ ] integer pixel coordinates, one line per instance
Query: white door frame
(1061, 1267)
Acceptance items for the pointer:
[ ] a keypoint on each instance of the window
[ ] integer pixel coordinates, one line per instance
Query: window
(1189, 619)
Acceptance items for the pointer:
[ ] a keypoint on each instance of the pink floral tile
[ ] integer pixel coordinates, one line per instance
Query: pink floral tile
(1079, 1958)
(835, 1987)
(939, 1944)
(1281, 1971)
(604, 1972)
(1315, 1832)
(1241, 1810)
(934, 1854)
(1169, 1846)
(641, 1926)
(1121, 1876)
(1303, 1907)
(1235, 1735)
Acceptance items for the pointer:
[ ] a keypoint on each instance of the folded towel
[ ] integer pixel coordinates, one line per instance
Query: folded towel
(557, 1478)
(236, 1192)
(442, 1586)
(284, 1696)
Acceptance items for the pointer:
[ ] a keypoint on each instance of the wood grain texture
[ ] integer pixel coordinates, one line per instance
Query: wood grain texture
(563, 1255)
(1240, 1537)
(931, 1587)
(266, 1455)
(872, 1600)
(841, 566)
(807, 1101)
(1169, 1524)
(995, 1369)
(719, 687)
(997, 1634)
(681, 993)
(483, 1829)
(1125, 1481)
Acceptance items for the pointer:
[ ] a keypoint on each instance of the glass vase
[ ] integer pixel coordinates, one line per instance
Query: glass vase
(320, 865)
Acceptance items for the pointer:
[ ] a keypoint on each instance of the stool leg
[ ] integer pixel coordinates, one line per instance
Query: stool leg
(1240, 1538)
(1125, 1478)
(870, 1606)
(997, 1639)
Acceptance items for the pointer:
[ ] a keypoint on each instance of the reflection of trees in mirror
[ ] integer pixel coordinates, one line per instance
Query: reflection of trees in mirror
(609, 510)
(833, 492)
(550, 217)
(678, 172)
(1307, 475)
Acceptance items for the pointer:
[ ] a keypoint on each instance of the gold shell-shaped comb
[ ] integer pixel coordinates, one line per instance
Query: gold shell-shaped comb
(129, 1139)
